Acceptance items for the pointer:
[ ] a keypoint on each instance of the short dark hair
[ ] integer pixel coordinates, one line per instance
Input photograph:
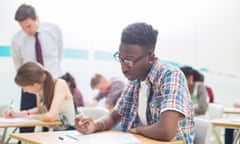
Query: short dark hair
(187, 70)
(24, 12)
(141, 34)
(70, 79)
(197, 76)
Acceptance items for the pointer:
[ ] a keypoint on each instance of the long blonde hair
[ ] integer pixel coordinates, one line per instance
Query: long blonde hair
(32, 72)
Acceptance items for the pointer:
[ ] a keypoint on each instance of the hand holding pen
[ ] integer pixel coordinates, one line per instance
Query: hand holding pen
(8, 111)
(84, 125)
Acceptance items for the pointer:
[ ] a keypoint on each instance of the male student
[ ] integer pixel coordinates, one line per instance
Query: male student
(110, 89)
(156, 102)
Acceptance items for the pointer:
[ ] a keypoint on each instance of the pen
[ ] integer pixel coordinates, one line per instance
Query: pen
(11, 104)
(69, 136)
(83, 114)
(72, 137)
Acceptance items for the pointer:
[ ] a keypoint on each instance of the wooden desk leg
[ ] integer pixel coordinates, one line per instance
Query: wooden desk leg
(217, 135)
(3, 136)
(14, 130)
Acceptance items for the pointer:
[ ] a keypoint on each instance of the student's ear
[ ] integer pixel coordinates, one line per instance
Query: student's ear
(151, 57)
(37, 85)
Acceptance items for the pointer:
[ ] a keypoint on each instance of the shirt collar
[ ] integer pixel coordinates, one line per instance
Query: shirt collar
(154, 70)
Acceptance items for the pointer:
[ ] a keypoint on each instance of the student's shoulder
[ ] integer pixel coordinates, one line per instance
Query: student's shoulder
(164, 69)
(61, 83)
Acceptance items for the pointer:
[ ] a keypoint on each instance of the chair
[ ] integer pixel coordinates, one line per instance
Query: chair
(203, 131)
(93, 112)
(215, 111)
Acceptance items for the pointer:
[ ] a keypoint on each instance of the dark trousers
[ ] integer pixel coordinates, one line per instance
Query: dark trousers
(228, 138)
(28, 101)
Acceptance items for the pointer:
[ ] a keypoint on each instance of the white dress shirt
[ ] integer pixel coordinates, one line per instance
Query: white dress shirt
(23, 48)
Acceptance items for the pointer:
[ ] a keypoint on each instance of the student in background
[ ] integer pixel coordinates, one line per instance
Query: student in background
(197, 89)
(110, 89)
(156, 102)
(24, 48)
(198, 77)
(77, 95)
(57, 100)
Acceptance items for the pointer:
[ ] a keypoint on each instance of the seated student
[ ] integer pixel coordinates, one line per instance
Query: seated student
(57, 101)
(198, 77)
(77, 95)
(156, 102)
(197, 90)
(111, 89)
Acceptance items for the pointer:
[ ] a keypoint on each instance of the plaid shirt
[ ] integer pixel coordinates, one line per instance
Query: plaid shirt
(168, 91)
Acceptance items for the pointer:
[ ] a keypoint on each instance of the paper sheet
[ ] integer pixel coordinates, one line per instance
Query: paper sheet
(105, 138)
(17, 120)
(235, 120)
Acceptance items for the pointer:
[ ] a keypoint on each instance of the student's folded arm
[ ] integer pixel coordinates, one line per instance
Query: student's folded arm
(202, 100)
(165, 129)
(43, 117)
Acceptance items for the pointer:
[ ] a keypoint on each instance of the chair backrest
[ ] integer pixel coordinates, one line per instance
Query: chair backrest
(215, 111)
(203, 131)
(93, 112)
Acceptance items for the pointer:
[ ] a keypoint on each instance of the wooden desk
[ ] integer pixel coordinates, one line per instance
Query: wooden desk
(53, 138)
(226, 123)
(231, 110)
(16, 125)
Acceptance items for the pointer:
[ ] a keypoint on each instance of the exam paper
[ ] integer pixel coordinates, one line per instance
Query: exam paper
(17, 120)
(105, 138)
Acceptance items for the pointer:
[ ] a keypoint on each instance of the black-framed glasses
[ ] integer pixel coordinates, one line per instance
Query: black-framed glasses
(128, 63)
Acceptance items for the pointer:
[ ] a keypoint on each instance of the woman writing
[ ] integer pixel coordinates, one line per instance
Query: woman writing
(54, 99)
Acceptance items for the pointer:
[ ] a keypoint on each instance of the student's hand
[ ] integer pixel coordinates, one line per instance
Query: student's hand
(93, 103)
(9, 113)
(236, 105)
(84, 125)
(134, 130)
(109, 107)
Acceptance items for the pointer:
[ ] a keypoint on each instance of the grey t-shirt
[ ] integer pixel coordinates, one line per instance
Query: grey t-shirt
(114, 92)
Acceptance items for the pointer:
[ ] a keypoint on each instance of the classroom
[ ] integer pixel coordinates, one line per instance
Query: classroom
(201, 34)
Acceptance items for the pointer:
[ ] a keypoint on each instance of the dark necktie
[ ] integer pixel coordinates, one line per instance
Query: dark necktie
(38, 49)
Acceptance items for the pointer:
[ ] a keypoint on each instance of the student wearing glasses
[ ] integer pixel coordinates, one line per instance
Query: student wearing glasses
(156, 102)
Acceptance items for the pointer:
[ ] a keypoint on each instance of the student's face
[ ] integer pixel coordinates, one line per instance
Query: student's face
(34, 89)
(189, 80)
(142, 61)
(102, 87)
(29, 26)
